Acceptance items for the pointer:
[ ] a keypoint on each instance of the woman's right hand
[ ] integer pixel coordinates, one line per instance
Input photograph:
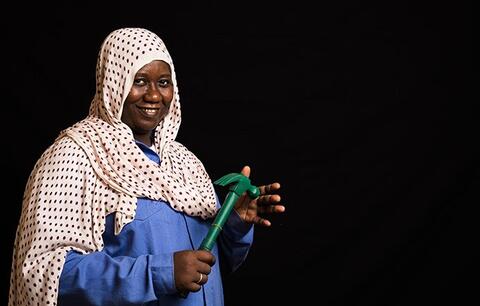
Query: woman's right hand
(191, 269)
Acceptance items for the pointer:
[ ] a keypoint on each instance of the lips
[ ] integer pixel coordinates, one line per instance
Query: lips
(149, 111)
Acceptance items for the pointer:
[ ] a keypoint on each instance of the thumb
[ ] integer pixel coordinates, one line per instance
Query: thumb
(246, 171)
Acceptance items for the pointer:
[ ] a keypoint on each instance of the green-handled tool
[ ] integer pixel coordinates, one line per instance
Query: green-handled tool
(239, 184)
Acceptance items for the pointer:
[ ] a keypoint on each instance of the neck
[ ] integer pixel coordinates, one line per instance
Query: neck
(145, 139)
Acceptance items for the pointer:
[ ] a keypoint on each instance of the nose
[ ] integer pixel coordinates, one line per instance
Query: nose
(153, 94)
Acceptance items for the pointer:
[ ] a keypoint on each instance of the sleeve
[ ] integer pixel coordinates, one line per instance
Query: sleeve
(235, 241)
(99, 279)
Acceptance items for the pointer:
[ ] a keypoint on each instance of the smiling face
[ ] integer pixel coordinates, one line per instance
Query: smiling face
(149, 100)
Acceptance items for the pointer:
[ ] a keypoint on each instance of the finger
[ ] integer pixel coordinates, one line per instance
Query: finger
(261, 221)
(269, 188)
(194, 287)
(271, 209)
(203, 279)
(204, 268)
(206, 257)
(246, 171)
(269, 199)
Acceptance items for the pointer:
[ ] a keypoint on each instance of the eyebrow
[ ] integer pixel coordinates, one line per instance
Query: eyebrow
(143, 74)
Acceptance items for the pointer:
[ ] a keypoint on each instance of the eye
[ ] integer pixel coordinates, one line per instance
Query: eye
(139, 82)
(165, 82)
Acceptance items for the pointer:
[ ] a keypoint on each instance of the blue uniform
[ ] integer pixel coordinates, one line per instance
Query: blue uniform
(136, 266)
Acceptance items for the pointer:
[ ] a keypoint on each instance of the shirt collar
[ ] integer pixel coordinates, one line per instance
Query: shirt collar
(149, 152)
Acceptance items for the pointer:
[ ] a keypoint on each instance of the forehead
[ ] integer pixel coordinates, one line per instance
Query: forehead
(157, 66)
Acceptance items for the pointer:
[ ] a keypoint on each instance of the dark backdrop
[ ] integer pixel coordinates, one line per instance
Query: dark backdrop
(362, 111)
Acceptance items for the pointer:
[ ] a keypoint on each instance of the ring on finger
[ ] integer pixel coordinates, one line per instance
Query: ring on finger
(201, 278)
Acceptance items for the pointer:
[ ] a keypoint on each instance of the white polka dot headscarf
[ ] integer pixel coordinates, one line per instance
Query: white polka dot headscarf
(95, 168)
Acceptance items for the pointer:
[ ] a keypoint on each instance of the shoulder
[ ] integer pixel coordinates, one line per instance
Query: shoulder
(62, 161)
(182, 150)
(63, 153)
(64, 148)
(188, 158)
(177, 146)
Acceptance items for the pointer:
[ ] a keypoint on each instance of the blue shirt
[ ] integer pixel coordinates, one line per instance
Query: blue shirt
(136, 266)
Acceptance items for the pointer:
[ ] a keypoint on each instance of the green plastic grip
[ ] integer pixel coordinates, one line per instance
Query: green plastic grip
(239, 184)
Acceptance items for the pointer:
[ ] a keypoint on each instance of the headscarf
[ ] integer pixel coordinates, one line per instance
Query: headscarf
(95, 168)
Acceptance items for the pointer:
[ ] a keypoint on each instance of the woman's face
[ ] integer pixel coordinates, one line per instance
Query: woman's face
(148, 100)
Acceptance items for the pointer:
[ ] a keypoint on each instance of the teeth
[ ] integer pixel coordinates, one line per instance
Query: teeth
(149, 110)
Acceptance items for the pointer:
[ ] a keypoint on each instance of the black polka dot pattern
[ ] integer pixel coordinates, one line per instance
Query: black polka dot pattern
(94, 168)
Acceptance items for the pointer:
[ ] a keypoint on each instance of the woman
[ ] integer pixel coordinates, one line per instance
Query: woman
(115, 209)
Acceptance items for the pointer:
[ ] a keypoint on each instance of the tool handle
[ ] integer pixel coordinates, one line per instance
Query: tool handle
(235, 192)
(217, 225)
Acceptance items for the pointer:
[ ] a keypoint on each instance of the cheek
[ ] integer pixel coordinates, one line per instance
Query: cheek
(167, 94)
(169, 97)
(170, 100)
(133, 96)
(126, 113)
(166, 109)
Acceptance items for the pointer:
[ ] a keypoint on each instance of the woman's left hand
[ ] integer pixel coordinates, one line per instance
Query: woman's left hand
(267, 203)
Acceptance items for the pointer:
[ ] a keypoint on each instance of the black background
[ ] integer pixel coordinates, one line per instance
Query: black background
(363, 111)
